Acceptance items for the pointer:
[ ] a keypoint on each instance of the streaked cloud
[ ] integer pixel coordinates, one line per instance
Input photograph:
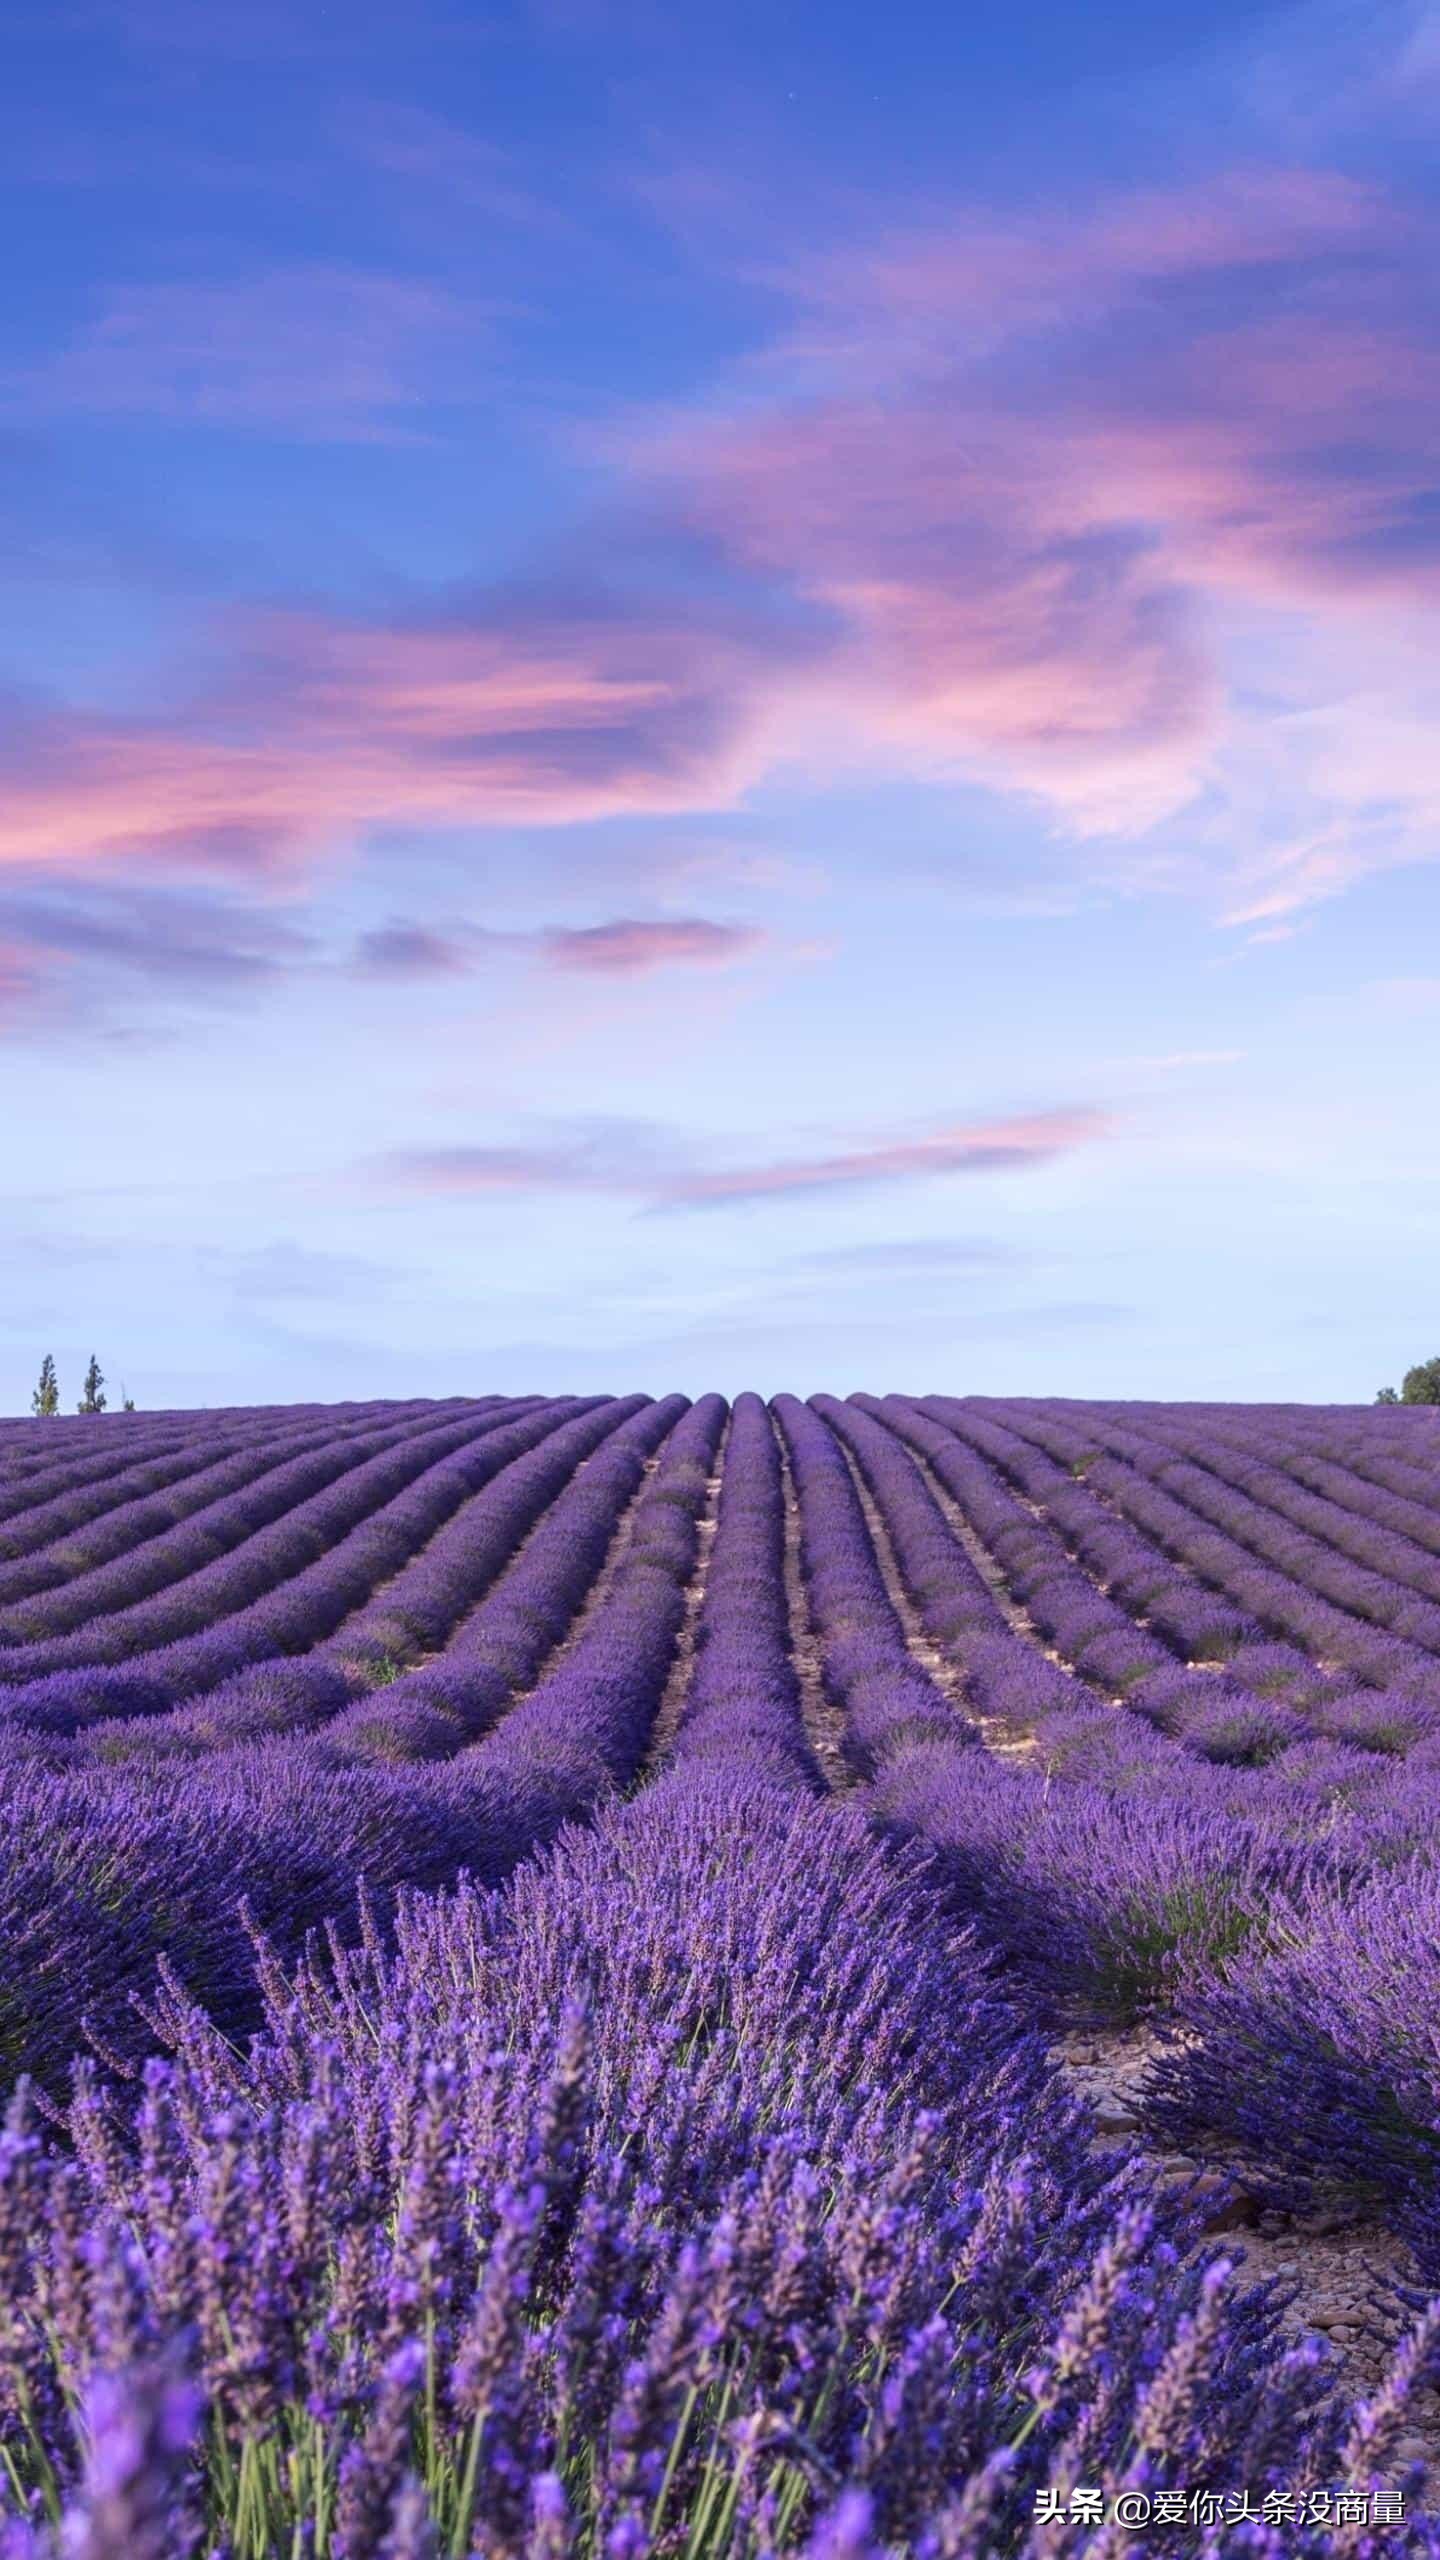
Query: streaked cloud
(632, 945)
(1007, 500)
(72, 957)
(333, 352)
(647, 1163)
(530, 707)
(623, 946)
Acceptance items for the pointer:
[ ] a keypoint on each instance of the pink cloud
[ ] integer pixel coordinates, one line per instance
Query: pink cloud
(321, 730)
(966, 265)
(991, 626)
(1022, 463)
(639, 1163)
(996, 1146)
(71, 960)
(629, 946)
(987, 502)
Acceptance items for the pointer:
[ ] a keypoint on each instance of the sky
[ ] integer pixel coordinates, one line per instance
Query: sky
(719, 698)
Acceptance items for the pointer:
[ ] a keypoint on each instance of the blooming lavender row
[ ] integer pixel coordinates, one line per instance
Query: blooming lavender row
(1333, 1469)
(1135, 1573)
(1270, 1696)
(426, 1477)
(1223, 1718)
(63, 1543)
(645, 2209)
(430, 1598)
(431, 1713)
(1396, 1452)
(127, 1847)
(1099, 1639)
(742, 1707)
(422, 2275)
(885, 1700)
(1287, 2046)
(255, 1496)
(1109, 1890)
(585, 1727)
(67, 1456)
(1087, 1896)
(1291, 1584)
(1284, 1606)
(1008, 1680)
(1091, 1518)
(525, 1589)
(1389, 1558)
(124, 1854)
(80, 1456)
(1380, 1598)
(67, 1497)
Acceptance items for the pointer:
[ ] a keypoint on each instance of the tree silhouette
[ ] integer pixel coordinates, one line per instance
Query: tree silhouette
(46, 1399)
(93, 1400)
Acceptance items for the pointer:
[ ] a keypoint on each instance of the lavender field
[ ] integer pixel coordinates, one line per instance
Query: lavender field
(612, 1976)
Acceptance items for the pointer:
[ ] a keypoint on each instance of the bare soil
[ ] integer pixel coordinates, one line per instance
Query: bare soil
(677, 1686)
(823, 1721)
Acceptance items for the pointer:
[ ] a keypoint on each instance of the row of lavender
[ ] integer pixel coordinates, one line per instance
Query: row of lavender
(701, 2191)
(483, 1815)
(1246, 1856)
(712, 1894)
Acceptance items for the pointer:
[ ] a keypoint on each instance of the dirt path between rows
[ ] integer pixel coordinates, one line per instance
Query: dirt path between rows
(997, 1736)
(824, 1723)
(682, 1666)
(603, 1584)
(938, 1667)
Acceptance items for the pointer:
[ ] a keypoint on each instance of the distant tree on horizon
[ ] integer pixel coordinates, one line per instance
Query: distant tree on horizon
(1420, 1385)
(46, 1399)
(93, 1400)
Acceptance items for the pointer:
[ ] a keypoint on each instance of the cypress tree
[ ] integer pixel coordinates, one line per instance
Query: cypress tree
(93, 1400)
(46, 1399)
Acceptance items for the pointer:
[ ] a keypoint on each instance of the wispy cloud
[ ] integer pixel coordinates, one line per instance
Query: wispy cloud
(1037, 466)
(323, 351)
(401, 950)
(435, 164)
(625, 946)
(641, 1161)
(166, 935)
(70, 958)
(531, 706)
(1004, 500)
(632, 945)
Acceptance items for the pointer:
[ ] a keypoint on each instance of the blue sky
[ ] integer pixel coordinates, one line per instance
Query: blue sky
(741, 698)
